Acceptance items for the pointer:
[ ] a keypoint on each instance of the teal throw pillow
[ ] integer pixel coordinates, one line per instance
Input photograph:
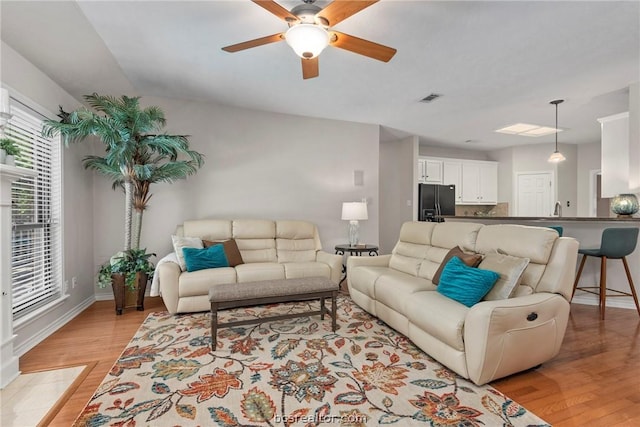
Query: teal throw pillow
(199, 259)
(465, 284)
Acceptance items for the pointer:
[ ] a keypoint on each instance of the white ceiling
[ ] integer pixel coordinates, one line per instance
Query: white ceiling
(495, 63)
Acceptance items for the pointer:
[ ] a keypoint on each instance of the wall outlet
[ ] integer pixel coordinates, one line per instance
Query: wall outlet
(74, 282)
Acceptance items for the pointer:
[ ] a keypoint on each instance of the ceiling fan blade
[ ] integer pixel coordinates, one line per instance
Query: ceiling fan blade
(310, 68)
(362, 46)
(277, 10)
(254, 43)
(339, 10)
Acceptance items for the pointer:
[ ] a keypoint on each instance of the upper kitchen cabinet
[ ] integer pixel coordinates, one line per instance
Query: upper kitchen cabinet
(615, 154)
(429, 171)
(452, 175)
(479, 183)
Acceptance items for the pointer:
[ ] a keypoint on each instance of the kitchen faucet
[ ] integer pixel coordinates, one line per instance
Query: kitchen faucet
(557, 211)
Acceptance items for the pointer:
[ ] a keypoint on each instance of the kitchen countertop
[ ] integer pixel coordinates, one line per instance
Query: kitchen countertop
(545, 219)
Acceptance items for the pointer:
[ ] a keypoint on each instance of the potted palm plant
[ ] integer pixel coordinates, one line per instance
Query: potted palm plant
(137, 154)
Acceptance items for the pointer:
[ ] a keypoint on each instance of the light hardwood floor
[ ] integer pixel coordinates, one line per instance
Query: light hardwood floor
(595, 380)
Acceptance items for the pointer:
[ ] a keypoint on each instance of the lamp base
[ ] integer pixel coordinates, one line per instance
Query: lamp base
(353, 233)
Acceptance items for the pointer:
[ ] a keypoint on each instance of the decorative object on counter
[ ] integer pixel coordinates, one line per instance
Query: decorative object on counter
(556, 156)
(624, 205)
(353, 212)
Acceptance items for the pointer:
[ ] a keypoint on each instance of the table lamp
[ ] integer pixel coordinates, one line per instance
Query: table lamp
(353, 212)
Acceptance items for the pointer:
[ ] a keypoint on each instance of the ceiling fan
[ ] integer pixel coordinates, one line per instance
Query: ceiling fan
(310, 32)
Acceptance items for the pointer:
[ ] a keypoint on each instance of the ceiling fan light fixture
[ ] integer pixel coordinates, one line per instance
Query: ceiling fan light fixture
(307, 40)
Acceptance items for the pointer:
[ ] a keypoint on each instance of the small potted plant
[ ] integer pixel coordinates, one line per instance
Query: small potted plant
(128, 273)
(8, 150)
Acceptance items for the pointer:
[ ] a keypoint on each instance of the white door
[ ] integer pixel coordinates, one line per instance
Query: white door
(534, 194)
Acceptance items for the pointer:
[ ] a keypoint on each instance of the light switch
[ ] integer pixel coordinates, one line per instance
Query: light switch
(358, 178)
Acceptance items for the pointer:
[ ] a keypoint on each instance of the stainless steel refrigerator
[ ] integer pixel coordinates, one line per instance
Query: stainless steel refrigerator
(436, 200)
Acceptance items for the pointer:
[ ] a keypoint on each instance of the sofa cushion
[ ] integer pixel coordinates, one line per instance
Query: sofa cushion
(296, 241)
(196, 283)
(200, 259)
(522, 241)
(209, 229)
(394, 288)
(252, 272)
(180, 242)
(465, 284)
(230, 250)
(472, 260)
(363, 278)
(293, 270)
(412, 247)
(510, 269)
(450, 234)
(438, 316)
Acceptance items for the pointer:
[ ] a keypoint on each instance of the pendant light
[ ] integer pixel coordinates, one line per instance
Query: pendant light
(556, 156)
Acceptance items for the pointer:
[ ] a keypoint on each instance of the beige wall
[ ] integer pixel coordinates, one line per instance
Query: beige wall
(257, 165)
(30, 85)
(588, 160)
(397, 182)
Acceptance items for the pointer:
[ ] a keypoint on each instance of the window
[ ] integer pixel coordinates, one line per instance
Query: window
(36, 258)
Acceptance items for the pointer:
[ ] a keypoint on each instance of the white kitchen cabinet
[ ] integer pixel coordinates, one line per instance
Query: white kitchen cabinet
(429, 171)
(479, 183)
(615, 155)
(452, 175)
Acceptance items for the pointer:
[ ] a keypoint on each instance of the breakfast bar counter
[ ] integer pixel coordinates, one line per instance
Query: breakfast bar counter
(588, 231)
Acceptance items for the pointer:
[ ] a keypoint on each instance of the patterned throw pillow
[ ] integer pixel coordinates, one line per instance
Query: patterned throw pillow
(465, 284)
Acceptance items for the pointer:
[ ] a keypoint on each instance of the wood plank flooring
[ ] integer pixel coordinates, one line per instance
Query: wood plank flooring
(595, 380)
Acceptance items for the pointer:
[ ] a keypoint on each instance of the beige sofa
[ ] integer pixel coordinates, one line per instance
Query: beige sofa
(270, 250)
(491, 339)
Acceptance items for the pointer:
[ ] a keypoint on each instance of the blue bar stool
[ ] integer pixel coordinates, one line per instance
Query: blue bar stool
(616, 243)
(558, 228)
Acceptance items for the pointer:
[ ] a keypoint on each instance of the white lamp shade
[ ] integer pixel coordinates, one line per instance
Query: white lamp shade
(354, 211)
(307, 40)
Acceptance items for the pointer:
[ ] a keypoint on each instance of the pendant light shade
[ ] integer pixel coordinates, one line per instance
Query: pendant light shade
(556, 156)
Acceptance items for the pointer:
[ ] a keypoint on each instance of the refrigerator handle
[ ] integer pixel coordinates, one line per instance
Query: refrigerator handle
(438, 211)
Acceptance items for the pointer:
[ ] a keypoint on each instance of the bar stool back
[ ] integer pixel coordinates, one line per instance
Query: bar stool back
(616, 243)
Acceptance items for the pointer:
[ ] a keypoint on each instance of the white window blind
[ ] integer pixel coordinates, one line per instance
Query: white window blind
(36, 261)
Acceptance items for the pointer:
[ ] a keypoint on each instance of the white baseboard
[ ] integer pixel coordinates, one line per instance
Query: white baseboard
(51, 328)
(611, 302)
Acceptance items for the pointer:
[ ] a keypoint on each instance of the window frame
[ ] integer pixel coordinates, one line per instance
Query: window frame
(49, 220)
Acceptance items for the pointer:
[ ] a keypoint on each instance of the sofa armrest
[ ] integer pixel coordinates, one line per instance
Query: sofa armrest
(169, 275)
(334, 262)
(507, 336)
(372, 261)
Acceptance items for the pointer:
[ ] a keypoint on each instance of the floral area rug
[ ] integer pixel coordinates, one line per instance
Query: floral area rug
(288, 373)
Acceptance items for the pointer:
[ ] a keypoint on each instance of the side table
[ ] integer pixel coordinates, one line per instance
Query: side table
(354, 250)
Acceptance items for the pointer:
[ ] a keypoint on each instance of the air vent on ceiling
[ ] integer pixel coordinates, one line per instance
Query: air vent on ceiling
(430, 97)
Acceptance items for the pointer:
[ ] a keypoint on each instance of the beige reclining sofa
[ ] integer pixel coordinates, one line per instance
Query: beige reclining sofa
(270, 250)
(490, 339)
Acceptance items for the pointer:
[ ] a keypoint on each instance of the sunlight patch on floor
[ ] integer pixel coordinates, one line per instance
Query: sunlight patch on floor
(29, 397)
